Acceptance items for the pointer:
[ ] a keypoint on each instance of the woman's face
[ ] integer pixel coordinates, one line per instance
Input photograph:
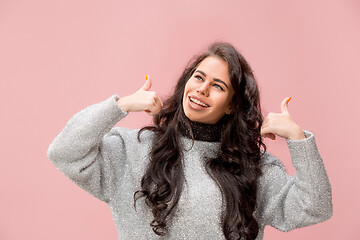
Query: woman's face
(208, 92)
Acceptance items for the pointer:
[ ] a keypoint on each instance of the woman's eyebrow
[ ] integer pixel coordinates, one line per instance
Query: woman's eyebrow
(215, 79)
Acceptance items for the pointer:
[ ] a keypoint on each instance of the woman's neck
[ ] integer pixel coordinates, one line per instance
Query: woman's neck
(202, 131)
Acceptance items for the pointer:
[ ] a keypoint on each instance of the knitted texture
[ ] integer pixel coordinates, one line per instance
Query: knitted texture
(109, 162)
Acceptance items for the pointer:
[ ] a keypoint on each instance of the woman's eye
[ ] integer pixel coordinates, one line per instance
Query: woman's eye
(199, 77)
(218, 87)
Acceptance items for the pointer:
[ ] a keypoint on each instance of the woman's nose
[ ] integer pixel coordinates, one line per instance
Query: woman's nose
(203, 89)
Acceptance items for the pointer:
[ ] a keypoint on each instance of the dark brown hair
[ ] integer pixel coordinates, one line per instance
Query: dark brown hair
(236, 168)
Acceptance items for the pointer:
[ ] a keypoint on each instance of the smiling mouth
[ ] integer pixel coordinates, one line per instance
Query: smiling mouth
(198, 102)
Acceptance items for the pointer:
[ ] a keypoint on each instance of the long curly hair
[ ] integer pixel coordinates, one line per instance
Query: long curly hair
(235, 169)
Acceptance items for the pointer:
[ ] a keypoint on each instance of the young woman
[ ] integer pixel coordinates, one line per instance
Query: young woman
(199, 172)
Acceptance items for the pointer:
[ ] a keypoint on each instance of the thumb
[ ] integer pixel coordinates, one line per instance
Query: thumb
(147, 84)
(284, 105)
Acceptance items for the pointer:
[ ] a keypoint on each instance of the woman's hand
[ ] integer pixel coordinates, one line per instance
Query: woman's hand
(142, 100)
(281, 124)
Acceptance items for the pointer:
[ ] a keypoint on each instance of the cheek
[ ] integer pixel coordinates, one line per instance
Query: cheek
(224, 103)
(186, 90)
(188, 86)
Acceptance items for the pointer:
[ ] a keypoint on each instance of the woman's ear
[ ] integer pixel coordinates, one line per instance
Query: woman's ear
(228, 110)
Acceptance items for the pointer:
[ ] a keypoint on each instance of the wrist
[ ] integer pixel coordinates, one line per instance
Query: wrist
(298, 135)
(122, 103)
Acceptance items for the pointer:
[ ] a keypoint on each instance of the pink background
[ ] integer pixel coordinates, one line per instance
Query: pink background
(57, 57)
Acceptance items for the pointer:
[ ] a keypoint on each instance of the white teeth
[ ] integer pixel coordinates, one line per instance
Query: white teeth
(198, 102)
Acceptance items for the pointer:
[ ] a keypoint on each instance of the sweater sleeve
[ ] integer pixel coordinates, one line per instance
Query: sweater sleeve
(79, 150)
(289, 202)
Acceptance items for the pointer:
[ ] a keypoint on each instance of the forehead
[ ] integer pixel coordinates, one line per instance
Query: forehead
(215, 67)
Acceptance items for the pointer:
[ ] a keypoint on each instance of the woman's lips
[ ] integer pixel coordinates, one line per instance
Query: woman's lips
(195, 103)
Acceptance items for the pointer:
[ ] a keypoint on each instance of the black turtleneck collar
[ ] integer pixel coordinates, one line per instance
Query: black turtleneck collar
(202, 131)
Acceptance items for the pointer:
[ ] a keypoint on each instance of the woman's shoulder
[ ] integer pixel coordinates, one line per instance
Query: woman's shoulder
(269, 160)
(130, 135)
(130, 145)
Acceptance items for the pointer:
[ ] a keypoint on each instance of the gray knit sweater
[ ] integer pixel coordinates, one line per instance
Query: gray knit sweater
(108, 162)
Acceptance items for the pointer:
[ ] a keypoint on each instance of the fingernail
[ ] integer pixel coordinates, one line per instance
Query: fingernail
(288, 100)
(146, 77)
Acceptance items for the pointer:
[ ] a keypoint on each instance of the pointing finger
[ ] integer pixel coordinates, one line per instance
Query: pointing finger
(265, 132)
